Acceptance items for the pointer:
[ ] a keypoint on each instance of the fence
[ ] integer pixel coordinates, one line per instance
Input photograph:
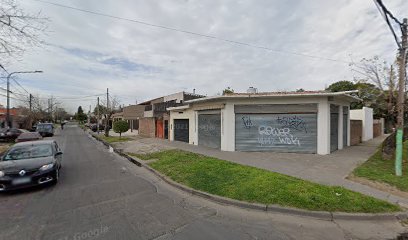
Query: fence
(356, 132)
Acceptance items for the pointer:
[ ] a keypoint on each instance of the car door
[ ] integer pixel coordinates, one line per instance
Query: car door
(58, 157)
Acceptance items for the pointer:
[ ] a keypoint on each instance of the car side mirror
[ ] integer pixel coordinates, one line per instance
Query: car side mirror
(58, 153)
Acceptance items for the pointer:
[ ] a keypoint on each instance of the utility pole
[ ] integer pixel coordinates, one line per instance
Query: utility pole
(31, 111)
(31, 102)
(97, 120)
(107, 113)
(401, 97)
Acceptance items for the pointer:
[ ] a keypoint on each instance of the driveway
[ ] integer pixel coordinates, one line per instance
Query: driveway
(324, 169)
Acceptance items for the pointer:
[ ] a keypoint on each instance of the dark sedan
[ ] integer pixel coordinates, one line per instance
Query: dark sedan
(30, 163)
(10, 134)
(45, 129)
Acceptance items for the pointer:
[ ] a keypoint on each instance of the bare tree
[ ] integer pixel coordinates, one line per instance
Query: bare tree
(18, 30)
(383, 75)
(111, 108)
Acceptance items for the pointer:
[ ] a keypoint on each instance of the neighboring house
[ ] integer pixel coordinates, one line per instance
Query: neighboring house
(156, 117)
(132, 114)
(370, 127)
(117, 116)
(300, 122)
(17, 118)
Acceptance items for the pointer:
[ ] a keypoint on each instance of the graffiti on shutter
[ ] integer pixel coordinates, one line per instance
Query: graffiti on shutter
(276, 132)
(209, 130)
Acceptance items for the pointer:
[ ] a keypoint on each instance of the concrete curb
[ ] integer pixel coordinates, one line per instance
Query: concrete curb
(322, 215)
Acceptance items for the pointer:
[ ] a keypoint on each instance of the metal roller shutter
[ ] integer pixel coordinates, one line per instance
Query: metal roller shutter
(285, 132)
(181, 130)
(334, 128)
(209, 129)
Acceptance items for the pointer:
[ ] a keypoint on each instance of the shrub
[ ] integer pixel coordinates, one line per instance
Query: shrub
(120, 127)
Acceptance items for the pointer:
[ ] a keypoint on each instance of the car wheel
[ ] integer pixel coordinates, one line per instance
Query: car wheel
(56, 176)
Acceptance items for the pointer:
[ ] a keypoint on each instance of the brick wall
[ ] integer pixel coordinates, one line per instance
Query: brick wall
(147, 127)
(356, 132)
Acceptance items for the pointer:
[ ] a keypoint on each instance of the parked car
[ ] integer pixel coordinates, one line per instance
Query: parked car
(94, 127)
(30, 163)
(45, 129)
(29, 136)
(10, 134)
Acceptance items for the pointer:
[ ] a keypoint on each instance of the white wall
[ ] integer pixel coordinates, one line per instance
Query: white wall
(186, 114)
(366, 116)
(175, 96)
(228, 128)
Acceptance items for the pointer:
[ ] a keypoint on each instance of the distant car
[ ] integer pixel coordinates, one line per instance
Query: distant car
(10, 134)
(45, 129)
(30, 163)
(94, 127)
(29, 136)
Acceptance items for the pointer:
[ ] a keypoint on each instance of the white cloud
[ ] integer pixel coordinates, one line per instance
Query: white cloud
(165, 61)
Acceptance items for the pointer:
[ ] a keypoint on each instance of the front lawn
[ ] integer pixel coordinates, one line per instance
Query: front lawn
(112, 139)
(255, 185)
(378, 169)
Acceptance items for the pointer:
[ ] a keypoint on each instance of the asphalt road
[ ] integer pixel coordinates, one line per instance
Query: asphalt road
(103, 196)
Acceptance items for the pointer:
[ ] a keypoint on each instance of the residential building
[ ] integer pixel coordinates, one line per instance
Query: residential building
(300, 122)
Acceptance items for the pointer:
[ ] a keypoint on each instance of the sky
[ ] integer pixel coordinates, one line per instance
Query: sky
(85, 54)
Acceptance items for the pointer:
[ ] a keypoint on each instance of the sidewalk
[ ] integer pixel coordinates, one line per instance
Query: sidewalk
(328, 169)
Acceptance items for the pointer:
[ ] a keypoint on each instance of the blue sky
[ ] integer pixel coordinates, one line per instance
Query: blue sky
(86, 54)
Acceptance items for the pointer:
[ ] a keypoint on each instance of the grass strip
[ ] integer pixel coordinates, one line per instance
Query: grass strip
(255, 185)
(382, 170)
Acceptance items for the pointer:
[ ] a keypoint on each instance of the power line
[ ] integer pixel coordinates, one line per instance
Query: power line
(385, 13)
(192, 33)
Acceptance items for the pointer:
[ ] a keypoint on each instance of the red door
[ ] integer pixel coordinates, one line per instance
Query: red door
(159, 129)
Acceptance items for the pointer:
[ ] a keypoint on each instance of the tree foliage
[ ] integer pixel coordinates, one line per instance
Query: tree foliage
(80, 115)
(120, 127)
(228, 90)
(341, 86)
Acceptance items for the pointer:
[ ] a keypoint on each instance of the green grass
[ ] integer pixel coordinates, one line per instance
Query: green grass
(112, 139)
(378, 169)
(255, 185)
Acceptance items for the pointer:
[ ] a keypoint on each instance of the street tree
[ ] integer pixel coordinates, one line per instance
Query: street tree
(120, 127)
(111, 107)
(19, 30)
(80, 115)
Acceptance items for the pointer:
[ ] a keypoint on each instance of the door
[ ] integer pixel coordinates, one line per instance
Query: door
(159, 128)
(209, 129)
(166, 129)
(286, 132)
(345, 126)
(181, 130)
(334, 128)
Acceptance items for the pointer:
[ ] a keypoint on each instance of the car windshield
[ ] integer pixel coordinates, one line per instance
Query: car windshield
(29, 151)
(44, 126)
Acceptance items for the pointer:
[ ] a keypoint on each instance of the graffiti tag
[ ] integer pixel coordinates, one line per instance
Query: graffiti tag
(247, 122)
(295, 123)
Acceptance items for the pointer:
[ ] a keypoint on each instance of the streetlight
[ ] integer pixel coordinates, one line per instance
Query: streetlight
(8, 94)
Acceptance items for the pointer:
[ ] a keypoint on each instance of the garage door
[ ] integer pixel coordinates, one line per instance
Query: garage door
(276, 128)
(181, 130)
(209, 129)
(334, 128)
(345, 125)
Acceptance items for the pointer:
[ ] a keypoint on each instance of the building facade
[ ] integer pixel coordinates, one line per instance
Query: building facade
(307, 122)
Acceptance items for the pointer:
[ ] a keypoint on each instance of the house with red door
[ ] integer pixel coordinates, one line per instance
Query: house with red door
(155, 120)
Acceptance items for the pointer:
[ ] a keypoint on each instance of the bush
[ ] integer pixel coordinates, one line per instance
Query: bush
(120, 127)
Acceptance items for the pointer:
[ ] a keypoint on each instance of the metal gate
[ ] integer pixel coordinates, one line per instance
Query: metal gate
(276, 128)
(345, 125)
(181, 130)
(334, 128)
(209, 129)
